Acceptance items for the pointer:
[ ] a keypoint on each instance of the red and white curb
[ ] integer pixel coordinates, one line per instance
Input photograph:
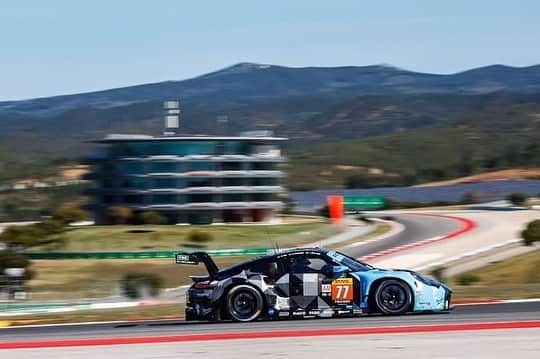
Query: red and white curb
(466, 226)
(396, 228)
(461, 303)
(272, 334)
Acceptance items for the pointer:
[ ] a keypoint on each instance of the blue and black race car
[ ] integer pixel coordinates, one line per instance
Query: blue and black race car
(306, 282)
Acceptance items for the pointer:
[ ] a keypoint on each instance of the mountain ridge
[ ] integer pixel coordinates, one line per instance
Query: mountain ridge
(245, 83)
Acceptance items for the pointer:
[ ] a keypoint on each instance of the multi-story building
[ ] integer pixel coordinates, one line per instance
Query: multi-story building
(189, 179)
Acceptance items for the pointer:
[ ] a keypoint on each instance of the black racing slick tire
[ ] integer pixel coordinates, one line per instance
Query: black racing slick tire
(393, 297)
(244, 303)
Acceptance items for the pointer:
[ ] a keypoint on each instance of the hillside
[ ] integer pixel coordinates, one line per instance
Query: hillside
(472, 143)
(500, 175)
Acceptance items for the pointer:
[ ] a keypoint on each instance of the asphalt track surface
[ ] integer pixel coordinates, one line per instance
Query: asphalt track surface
(485, 313)
(417, 227)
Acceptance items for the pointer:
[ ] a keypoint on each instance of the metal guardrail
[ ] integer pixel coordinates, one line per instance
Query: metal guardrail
(143, 255)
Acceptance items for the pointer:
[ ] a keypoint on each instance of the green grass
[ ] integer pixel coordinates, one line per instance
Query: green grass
(516, 277)
(141, 238)
(74, 279)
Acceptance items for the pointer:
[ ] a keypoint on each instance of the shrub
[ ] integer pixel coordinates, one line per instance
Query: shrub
(517, 198)
(51, 226)
(324, 211)
(196, 236)
(467, 278)
(119, 214)
(11, 259)
(136, 285)
(531, 233)
(151, 217)
(22, 236)
(69, 214)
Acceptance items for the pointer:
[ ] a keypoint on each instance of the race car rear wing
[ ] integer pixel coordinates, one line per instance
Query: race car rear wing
(197, 257)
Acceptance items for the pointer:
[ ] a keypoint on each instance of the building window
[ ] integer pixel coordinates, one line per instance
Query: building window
(199, 198)
(165, 183)
(164, 167)
(199, 182)
(233, 197)
(263, 166)
(264, 182)
(231, 166)
(134, 183)
(133, 199)
(129, 168)
(164, 199)
(227, 182)
(201, 166)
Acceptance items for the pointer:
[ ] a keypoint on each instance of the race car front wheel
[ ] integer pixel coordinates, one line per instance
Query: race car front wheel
(244, 303)
(393, 297)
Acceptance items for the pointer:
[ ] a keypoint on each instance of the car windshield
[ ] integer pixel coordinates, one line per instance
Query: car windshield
(353, 264)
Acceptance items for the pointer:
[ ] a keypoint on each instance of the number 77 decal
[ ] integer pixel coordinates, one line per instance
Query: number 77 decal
(342, 290)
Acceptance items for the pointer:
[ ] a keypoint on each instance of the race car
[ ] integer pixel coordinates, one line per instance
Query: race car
(304, 283)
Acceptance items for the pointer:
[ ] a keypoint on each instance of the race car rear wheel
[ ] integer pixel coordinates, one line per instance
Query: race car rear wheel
(393, 297)
(244, 303)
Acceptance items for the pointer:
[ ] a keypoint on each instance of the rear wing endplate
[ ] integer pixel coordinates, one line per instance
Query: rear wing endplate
(197, 257)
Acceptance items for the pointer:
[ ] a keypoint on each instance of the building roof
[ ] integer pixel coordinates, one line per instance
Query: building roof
(144, 138)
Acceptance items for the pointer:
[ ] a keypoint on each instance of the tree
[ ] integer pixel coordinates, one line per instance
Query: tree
(469, 198)
(531, 233)
(150, 217)
(517, 198)
(119, 214)
(358, 181)
(69, 214)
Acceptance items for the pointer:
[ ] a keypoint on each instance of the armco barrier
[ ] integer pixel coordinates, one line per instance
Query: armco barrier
(144, 255)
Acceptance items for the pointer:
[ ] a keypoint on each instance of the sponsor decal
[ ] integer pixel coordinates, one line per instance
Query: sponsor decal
(299, 313)
(342, 290)
(326, 289)
(326, 313)
(314, 312)
(284, 314)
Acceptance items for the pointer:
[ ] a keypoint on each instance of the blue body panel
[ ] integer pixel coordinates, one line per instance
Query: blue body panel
(427, 297)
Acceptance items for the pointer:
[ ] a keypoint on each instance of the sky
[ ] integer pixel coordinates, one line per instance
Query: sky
(58, 47)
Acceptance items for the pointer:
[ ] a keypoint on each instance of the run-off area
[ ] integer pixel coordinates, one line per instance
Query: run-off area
(517, 343)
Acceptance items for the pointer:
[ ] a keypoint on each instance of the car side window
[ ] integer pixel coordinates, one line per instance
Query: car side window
(268, 268)
(305, 264)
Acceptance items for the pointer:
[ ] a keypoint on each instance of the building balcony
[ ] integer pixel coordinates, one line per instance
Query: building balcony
(207, 158)
(209, 206)
(216, 189)
(215, 174)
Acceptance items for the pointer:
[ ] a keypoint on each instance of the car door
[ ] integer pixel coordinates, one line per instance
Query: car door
(306, 284)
